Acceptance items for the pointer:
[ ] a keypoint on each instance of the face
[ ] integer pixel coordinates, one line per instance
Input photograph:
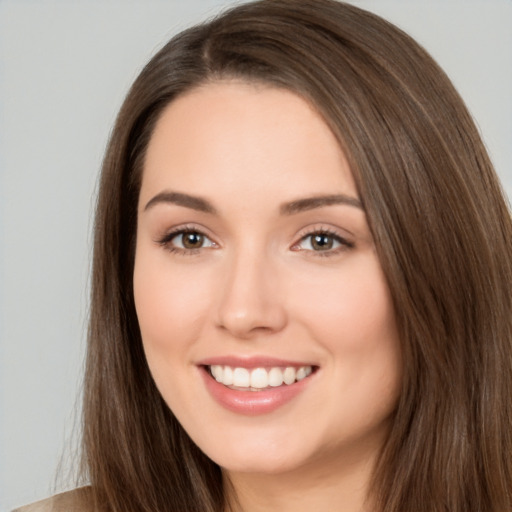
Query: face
(265, 316)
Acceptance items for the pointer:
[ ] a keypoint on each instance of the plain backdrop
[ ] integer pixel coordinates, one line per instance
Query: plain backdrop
(64, 69)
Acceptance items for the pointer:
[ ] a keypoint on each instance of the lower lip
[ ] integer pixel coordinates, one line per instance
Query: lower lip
(252, 403)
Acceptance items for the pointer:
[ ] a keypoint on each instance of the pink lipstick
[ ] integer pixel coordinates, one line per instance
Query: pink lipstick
(256, 385)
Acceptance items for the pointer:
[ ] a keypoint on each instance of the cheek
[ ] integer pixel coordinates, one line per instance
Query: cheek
(349, 309)
(171, 305)
(351, 316)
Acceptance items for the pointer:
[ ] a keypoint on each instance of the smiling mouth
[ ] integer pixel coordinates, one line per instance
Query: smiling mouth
(258, 379)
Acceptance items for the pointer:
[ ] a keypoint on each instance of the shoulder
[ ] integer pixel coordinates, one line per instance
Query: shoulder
(71, 501)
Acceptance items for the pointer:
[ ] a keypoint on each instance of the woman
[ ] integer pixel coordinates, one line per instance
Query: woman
(300, 293)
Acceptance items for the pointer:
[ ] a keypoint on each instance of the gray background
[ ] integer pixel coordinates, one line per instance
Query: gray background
(64, 69)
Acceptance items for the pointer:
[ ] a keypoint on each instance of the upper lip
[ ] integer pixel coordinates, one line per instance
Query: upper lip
(251, 362)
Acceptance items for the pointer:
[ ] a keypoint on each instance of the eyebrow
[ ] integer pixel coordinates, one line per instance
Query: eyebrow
(310, 203)
(291, 208)
(180, 199)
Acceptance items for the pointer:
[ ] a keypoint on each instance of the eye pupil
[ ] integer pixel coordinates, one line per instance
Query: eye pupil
(321, 242)
(192, 240)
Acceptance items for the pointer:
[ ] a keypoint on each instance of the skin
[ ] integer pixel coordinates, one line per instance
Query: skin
(257, 286)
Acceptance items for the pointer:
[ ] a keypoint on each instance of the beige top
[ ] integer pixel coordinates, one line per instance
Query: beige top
(71, 501)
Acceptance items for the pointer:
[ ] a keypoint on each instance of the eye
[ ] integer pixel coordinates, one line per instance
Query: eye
(191, 240)
(186, 240)
(323, 241)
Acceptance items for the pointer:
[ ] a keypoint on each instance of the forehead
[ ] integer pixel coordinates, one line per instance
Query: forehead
(244, 137)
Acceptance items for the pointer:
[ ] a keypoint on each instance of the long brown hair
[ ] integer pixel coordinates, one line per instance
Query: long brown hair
(441, 227)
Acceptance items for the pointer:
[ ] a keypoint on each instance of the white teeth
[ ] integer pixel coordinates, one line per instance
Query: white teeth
(217, 372)
(289, 375)
(228, 376)
(275, 377)
(301, 373)
(241, 378)
(259, 378)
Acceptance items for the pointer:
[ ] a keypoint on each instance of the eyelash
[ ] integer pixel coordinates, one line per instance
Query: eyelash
(166, 240)
(344, 244)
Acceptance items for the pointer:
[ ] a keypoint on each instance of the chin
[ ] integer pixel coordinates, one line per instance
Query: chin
(263, 465)
(263, 454)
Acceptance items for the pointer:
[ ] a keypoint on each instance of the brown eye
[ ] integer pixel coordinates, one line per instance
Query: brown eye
(192, 240)
(322, 242)
(186, 241)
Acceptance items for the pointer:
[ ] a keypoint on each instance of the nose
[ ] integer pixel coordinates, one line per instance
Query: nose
(251, 302)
